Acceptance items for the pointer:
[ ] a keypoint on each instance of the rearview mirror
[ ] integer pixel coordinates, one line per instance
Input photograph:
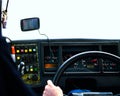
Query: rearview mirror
(28, 24)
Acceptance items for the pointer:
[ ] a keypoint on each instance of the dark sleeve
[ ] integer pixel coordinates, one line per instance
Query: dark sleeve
(10, 82)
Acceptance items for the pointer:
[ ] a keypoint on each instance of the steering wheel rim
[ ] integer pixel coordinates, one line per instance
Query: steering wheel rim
(65, 64)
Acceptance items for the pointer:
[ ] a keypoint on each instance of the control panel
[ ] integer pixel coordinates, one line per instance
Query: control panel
(61, 52)
(37, 60)
(25, 56)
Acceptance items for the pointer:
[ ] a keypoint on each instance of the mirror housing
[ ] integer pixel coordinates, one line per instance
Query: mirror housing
(29, 24)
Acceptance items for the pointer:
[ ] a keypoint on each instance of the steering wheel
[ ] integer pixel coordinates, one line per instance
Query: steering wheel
(72, 59)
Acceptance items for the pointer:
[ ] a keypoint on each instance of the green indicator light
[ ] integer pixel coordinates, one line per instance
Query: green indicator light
(35, 69)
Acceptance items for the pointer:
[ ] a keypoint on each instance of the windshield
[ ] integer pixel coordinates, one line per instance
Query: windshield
(64, 18)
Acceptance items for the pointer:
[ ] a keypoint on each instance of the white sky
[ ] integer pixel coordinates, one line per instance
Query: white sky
(65, 18)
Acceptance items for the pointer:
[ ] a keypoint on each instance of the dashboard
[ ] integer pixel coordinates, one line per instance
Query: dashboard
(38, 60)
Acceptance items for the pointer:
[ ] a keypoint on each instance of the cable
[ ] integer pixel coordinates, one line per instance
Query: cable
(44, 35)
(7, 5)
(51, 52)
(4, 16)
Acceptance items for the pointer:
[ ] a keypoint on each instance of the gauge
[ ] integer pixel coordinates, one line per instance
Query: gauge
(93, 65)
(85, 65)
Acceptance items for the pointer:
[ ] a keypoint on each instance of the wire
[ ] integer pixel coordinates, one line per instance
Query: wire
(4, 16)
(7, 5)
(52, 54)
(44, 35)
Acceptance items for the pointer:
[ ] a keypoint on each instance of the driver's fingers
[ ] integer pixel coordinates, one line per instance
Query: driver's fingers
(50, 83)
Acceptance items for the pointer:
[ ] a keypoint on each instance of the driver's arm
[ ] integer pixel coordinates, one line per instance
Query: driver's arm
(52, 90)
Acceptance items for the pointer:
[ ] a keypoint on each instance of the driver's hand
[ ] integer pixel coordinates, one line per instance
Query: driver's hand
(52, 90)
